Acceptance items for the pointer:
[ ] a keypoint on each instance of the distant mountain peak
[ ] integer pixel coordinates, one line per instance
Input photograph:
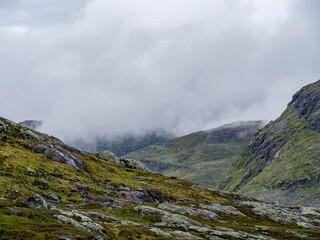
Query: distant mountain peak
(32, 124)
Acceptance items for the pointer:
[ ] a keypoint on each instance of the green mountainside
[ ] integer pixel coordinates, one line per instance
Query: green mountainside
(202, 157)
(49, 190)
(282, 162)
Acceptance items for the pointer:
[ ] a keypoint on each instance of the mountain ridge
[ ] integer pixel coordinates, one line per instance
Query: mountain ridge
(281, 163)
(201, 157)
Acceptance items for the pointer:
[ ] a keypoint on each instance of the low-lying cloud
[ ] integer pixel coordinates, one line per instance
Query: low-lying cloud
(105, 67)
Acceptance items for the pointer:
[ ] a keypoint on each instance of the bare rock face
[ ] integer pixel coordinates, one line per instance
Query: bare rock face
(36, 201)
(58, 154)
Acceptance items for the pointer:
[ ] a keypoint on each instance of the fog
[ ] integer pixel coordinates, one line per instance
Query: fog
(101, 67)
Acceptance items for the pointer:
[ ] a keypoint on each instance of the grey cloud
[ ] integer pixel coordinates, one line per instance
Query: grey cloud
(130, 66)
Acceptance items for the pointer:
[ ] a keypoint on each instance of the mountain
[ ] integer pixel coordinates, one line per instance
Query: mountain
(33, 124)
(49, 190)
(202, 157)
(282, 162)
(126, 143)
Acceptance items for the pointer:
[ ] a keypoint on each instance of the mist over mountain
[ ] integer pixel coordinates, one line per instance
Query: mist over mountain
(102, 67)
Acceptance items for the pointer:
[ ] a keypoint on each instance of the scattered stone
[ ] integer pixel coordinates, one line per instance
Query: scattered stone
(74, 190)
(13, 209)
(97, 238)
(83, 187)
(149, 195)
(3, 137)
(30, 170)
(52, 207)
(41, 183)
(41, 170)
(84, 223)
(54, 197)
(224, 209)
(173, 234)
(36, 201)
(168, 219)
(139, 178)
(192, 211)
(107, 181)
(58, 175)
(101, 217)
(283, 214)
(64, 237)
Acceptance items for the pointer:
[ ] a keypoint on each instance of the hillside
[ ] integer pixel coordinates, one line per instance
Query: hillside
(49, 190)
(202, 157)
(282, 161)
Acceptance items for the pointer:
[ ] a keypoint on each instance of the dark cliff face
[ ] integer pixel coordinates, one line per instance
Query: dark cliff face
(283, 156)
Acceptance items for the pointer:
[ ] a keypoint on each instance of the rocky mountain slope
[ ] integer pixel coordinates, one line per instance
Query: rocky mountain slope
(282, 162)
(33, 124)
(202, 157)
(49, 190)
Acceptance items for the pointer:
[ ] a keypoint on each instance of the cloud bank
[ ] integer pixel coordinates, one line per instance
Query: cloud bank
(105, 67)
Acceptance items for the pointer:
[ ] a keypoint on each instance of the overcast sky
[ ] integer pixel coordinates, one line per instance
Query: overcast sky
(108, 67)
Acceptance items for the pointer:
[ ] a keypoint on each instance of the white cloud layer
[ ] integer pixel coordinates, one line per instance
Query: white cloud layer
(109, 67)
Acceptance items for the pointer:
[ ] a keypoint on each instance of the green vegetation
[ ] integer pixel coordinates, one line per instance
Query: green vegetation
(98, 200)
(283, 158)
(202, 157)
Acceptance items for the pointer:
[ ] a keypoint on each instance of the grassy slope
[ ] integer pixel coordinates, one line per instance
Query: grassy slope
(202, 157)
(25, 223)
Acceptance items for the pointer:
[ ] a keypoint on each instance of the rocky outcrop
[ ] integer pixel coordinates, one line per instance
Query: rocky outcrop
(83, 223)
(222, 208)
(285, 214)
(147, 195)
(36, 201)
(58, 154)
(192, 211)
(129, 163)
(169, 220)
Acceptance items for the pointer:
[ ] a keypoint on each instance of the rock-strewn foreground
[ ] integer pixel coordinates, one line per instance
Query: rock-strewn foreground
(282, 162)
(49, 190)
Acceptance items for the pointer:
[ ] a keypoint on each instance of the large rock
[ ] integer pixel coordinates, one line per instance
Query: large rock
(58, 154)
(36, 201)
(84, 223)
(148, 195)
